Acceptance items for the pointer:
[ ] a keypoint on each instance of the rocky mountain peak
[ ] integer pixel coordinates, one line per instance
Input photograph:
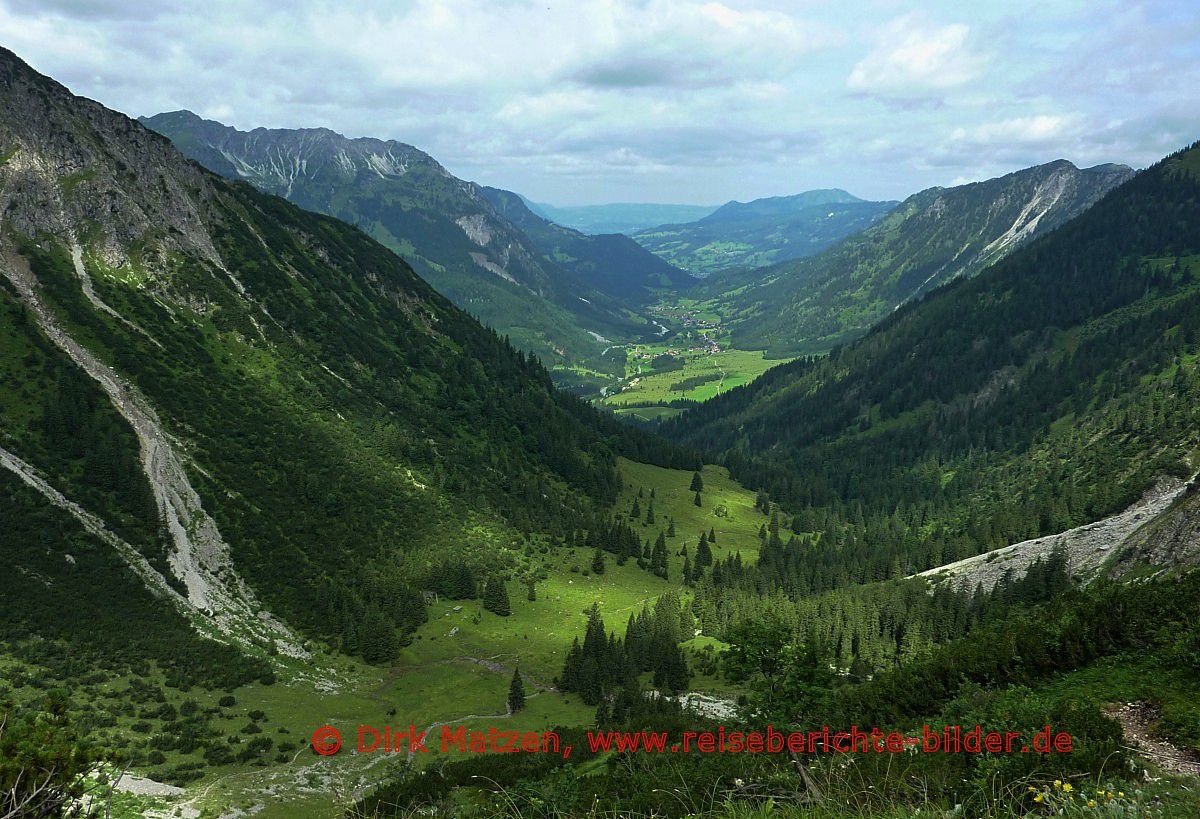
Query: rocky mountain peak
(70, 162)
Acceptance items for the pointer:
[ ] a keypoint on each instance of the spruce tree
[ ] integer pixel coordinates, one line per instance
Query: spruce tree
(516, 691)
(598, 562)
(603, 716)
(697, 482)
(671, 527)
(495, 597)
(378, 642)
(696, 500)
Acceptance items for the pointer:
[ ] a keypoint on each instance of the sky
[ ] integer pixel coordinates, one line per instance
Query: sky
(594, 101)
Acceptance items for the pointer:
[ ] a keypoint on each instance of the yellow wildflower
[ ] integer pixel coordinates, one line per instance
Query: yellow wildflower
(1067, 787)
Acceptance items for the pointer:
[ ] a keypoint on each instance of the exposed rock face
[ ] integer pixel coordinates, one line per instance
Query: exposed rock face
(71, 162)
(397, 193)
(1172, 539)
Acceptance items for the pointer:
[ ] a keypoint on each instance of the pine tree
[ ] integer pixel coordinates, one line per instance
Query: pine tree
(696, 500)
(495, 597)
(697, 483)
(650, 512)
(704, 556)
(378, 642)
(516, 691)
(603, 715)
(712, 535)
(671, 527)
(598, 562)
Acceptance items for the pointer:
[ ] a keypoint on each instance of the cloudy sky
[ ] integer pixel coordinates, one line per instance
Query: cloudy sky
(592, 101)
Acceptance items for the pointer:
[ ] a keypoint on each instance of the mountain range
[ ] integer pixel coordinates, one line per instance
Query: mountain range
(255, 405)
(1049, 390)
(260, 480)
(763, 231)
(448, 229)
(610, 262)
(935, 236)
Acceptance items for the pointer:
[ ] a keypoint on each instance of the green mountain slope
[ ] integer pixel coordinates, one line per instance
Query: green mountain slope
(1045, 393)
(810, 305)
(618, 217)
(269, 416)
(612, 263)
(441, 225)
(761, 232)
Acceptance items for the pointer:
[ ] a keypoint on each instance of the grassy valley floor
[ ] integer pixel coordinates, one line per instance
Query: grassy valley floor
(456, 671)
(693, 362)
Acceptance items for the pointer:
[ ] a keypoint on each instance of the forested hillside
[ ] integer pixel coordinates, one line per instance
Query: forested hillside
(264, 402)
(260, 483)
(934, 236)
(1047, 392)
(443, 226)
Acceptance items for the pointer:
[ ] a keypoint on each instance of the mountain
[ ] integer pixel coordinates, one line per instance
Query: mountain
(261, 484)
(763, 231)
(441, 225)
(612, 263)
(242, 420)
(934, 236)
(625, 218)
(1047, 392)
(781, 205)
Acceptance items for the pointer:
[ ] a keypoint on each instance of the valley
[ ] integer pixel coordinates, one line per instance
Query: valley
(301, 432)
(692, 363)
(456, 669)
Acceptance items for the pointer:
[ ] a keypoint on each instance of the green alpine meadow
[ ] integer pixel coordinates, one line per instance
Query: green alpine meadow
(510, 476)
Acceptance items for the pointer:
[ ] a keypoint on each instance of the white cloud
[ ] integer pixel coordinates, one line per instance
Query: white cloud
(669, 100)
(913, 57)
(1031, 130)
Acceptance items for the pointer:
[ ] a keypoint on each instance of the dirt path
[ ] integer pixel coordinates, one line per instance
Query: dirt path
(1137, 721)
